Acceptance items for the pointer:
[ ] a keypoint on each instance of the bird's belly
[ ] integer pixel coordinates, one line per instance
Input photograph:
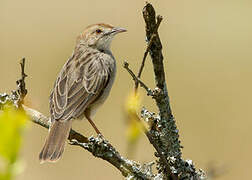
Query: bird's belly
(95, 105)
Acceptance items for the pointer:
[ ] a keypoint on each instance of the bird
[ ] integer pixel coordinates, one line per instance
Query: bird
(82, 86)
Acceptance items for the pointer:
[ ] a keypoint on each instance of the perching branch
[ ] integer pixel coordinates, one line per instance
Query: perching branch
(44, 121)
(99, 147)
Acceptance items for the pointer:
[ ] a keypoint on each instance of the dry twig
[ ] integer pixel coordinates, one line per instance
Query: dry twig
(153, 36)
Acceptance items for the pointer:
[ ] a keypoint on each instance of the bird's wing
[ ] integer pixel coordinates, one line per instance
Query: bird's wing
(82, 80)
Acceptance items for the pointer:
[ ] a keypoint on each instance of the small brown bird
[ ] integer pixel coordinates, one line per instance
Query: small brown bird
(81, 87)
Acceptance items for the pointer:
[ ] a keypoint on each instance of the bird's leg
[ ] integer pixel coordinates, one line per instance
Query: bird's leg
(94, 126)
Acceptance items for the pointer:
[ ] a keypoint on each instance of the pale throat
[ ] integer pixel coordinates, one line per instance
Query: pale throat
(104, 44)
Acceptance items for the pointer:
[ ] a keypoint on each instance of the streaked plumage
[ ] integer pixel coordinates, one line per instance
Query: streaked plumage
(82, 86)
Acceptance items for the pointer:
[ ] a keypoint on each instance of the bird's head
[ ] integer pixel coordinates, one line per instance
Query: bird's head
(99, 36)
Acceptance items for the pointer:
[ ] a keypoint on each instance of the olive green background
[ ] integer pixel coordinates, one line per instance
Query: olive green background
(208, 58)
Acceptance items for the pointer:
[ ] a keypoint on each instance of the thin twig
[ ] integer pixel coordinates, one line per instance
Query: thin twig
(159, 19)
(136, 79)
(22, 91)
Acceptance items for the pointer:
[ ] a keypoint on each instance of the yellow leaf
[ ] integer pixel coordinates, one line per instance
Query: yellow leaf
(132, 106)
(133, 103)
(12, 123)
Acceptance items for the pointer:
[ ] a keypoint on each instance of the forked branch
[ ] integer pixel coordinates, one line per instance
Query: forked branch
(163, 135)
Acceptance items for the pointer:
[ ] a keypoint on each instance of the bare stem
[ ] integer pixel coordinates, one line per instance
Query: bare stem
(136, 79)
(21, 91)
(159, 19)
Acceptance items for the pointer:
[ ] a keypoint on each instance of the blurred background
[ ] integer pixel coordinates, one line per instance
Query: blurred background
(207, 55)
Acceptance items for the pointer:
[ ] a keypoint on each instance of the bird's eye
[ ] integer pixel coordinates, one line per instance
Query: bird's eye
(98, 31)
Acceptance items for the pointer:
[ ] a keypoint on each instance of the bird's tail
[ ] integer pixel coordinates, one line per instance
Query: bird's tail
(55, 142)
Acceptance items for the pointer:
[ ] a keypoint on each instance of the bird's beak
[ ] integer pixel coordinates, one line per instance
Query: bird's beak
(115, 30)
(118, 30)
